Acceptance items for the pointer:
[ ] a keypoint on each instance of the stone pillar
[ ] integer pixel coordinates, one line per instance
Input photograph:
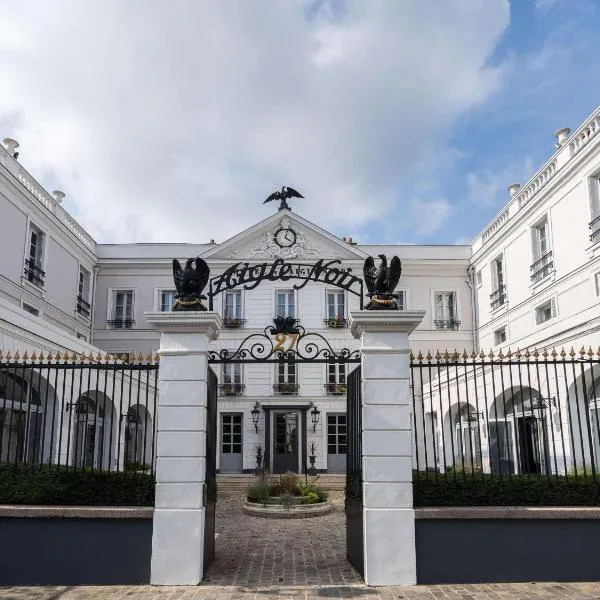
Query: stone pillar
(388, 515)
(178, 526)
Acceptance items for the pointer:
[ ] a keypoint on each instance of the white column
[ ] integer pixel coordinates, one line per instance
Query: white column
(178, 526)
(388, 515)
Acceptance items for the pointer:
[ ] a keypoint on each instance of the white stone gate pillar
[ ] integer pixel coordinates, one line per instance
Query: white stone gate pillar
(388, 515)
(178, 526)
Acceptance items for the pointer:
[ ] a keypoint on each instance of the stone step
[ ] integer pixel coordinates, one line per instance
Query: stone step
(241, 482)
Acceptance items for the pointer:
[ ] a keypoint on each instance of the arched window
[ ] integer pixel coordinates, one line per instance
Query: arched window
(467, 440)
(89, 432)
(138, 438)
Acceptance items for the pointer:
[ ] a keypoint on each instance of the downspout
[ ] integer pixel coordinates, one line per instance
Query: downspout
(474, 312)
(95, 270)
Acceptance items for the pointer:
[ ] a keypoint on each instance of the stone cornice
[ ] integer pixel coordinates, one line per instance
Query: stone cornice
(404, 321)
(186, 322)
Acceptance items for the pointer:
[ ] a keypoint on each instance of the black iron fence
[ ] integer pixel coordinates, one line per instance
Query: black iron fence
(520, 413)
(83, 412)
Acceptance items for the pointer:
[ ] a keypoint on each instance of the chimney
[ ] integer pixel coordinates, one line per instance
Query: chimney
(58, 196)
(212, 242)
(11, 146)
(513, 188)
(562, 135)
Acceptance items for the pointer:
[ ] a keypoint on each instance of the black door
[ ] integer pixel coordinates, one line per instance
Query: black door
(210, 486)
(285, 442)
(529, 445)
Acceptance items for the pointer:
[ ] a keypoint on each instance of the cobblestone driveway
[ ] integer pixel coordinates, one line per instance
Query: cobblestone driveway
(303, 559)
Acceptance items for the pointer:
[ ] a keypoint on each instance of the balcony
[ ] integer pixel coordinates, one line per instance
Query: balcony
(336, 322)
(542, 268)
(498, 297)
(83, 308)
(286, 389)
(335, 389)
(233, 323)
(595, 230)
(121, 323)
(447, 324)
(34, 273)
(231, 389)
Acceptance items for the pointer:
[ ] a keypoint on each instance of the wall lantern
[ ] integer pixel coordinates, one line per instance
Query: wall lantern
(255, 412)
(315, 413)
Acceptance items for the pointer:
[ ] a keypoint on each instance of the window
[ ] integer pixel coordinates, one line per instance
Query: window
(336, 379)
(545, 312)
(232, 380)
(336, 434)
(122, 313)
(81, 336)
(34, 259)
(166, 300)
(285, 379)
(539, 233)
(31, 310)
(336, 309)
(231, 438)
(83, 292)
(478, 278)
(285, 304)
(445, 310)
(500, 336)
(594, 191)
(232, 314)
(498, 296)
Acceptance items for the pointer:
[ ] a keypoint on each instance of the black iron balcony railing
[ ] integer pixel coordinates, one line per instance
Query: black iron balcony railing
(595, 229)
(498, 297)
(286, 389)
(231, 389)
(335, 389)
(446, 324)
(336, 322)
(121, 322)
(542, 268)
(233, 322)
(83, 307)
(34, 273)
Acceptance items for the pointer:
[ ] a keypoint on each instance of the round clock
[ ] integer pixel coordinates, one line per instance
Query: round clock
(285, 237)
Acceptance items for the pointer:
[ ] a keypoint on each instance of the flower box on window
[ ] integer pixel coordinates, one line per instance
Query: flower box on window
(336, 322)
(233, 322)
(335, 389)
(286, 389)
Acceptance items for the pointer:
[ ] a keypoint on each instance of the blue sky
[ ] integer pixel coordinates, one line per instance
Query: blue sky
(401, 122)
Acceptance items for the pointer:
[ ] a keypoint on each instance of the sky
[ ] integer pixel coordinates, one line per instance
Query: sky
(399, 121)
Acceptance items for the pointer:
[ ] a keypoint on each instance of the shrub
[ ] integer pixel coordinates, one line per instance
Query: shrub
(258, 493)
(288, 483)
(306, 489)
(440, 489)
(55, 485)
(310, 498)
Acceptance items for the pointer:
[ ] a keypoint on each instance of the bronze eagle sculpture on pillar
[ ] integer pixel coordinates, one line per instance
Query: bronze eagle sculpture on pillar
(382, 282)
(189, 283)
(283, 194)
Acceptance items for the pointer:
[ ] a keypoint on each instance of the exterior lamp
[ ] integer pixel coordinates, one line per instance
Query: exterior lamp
(255, 412)
(315, 413)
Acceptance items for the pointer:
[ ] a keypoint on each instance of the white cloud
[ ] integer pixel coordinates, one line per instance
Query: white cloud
(428, 216)
(171, 121)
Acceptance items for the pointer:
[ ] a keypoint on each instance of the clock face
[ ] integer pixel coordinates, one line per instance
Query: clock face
(285, 237)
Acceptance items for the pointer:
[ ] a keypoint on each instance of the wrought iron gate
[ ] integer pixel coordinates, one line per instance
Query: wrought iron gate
(354, 493)
(210, 486)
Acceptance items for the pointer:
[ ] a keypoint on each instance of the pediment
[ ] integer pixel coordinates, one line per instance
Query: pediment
(284, 235)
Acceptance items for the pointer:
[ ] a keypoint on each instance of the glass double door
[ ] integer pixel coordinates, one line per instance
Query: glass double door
(286, 442)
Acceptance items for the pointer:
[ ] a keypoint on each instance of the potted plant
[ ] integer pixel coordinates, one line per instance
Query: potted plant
(312, 455)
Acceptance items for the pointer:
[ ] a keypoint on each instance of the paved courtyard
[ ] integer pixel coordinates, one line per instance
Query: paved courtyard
(271, 559)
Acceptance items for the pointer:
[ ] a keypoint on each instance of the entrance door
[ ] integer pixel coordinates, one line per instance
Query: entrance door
(336, 443)
(286, 441)
(231, 443)
(529, 445)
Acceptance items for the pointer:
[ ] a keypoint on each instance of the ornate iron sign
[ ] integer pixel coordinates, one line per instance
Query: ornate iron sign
(274, 345)
(250, 276)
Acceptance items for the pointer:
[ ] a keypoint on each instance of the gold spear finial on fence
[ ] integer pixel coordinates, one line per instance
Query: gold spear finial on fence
(509, 354)
(491, 354)
(149, 357)
(8, 356)
(429, 357)
(465, 355)
(25, 356)
(582, 351)
(33, 356)
(16, 356)
(554, 353)
(157, 358)
(482, 355)
(590, 353)
(140, 358)
(473, 355)
(535, 353)
(545, 354)
(500, 355)
(572, 353)
(438, 357)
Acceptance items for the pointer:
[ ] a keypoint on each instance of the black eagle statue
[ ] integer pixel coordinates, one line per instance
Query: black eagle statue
(283, 194)
(189, 283)
(382, 282)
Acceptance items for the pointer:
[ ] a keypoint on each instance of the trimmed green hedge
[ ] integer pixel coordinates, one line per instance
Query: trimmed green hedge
(492, 490)
(54, 485)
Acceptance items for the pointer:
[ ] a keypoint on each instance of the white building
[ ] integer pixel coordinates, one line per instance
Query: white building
(530, 279)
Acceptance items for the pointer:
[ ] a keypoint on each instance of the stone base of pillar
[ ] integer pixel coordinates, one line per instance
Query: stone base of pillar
(177, 547)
